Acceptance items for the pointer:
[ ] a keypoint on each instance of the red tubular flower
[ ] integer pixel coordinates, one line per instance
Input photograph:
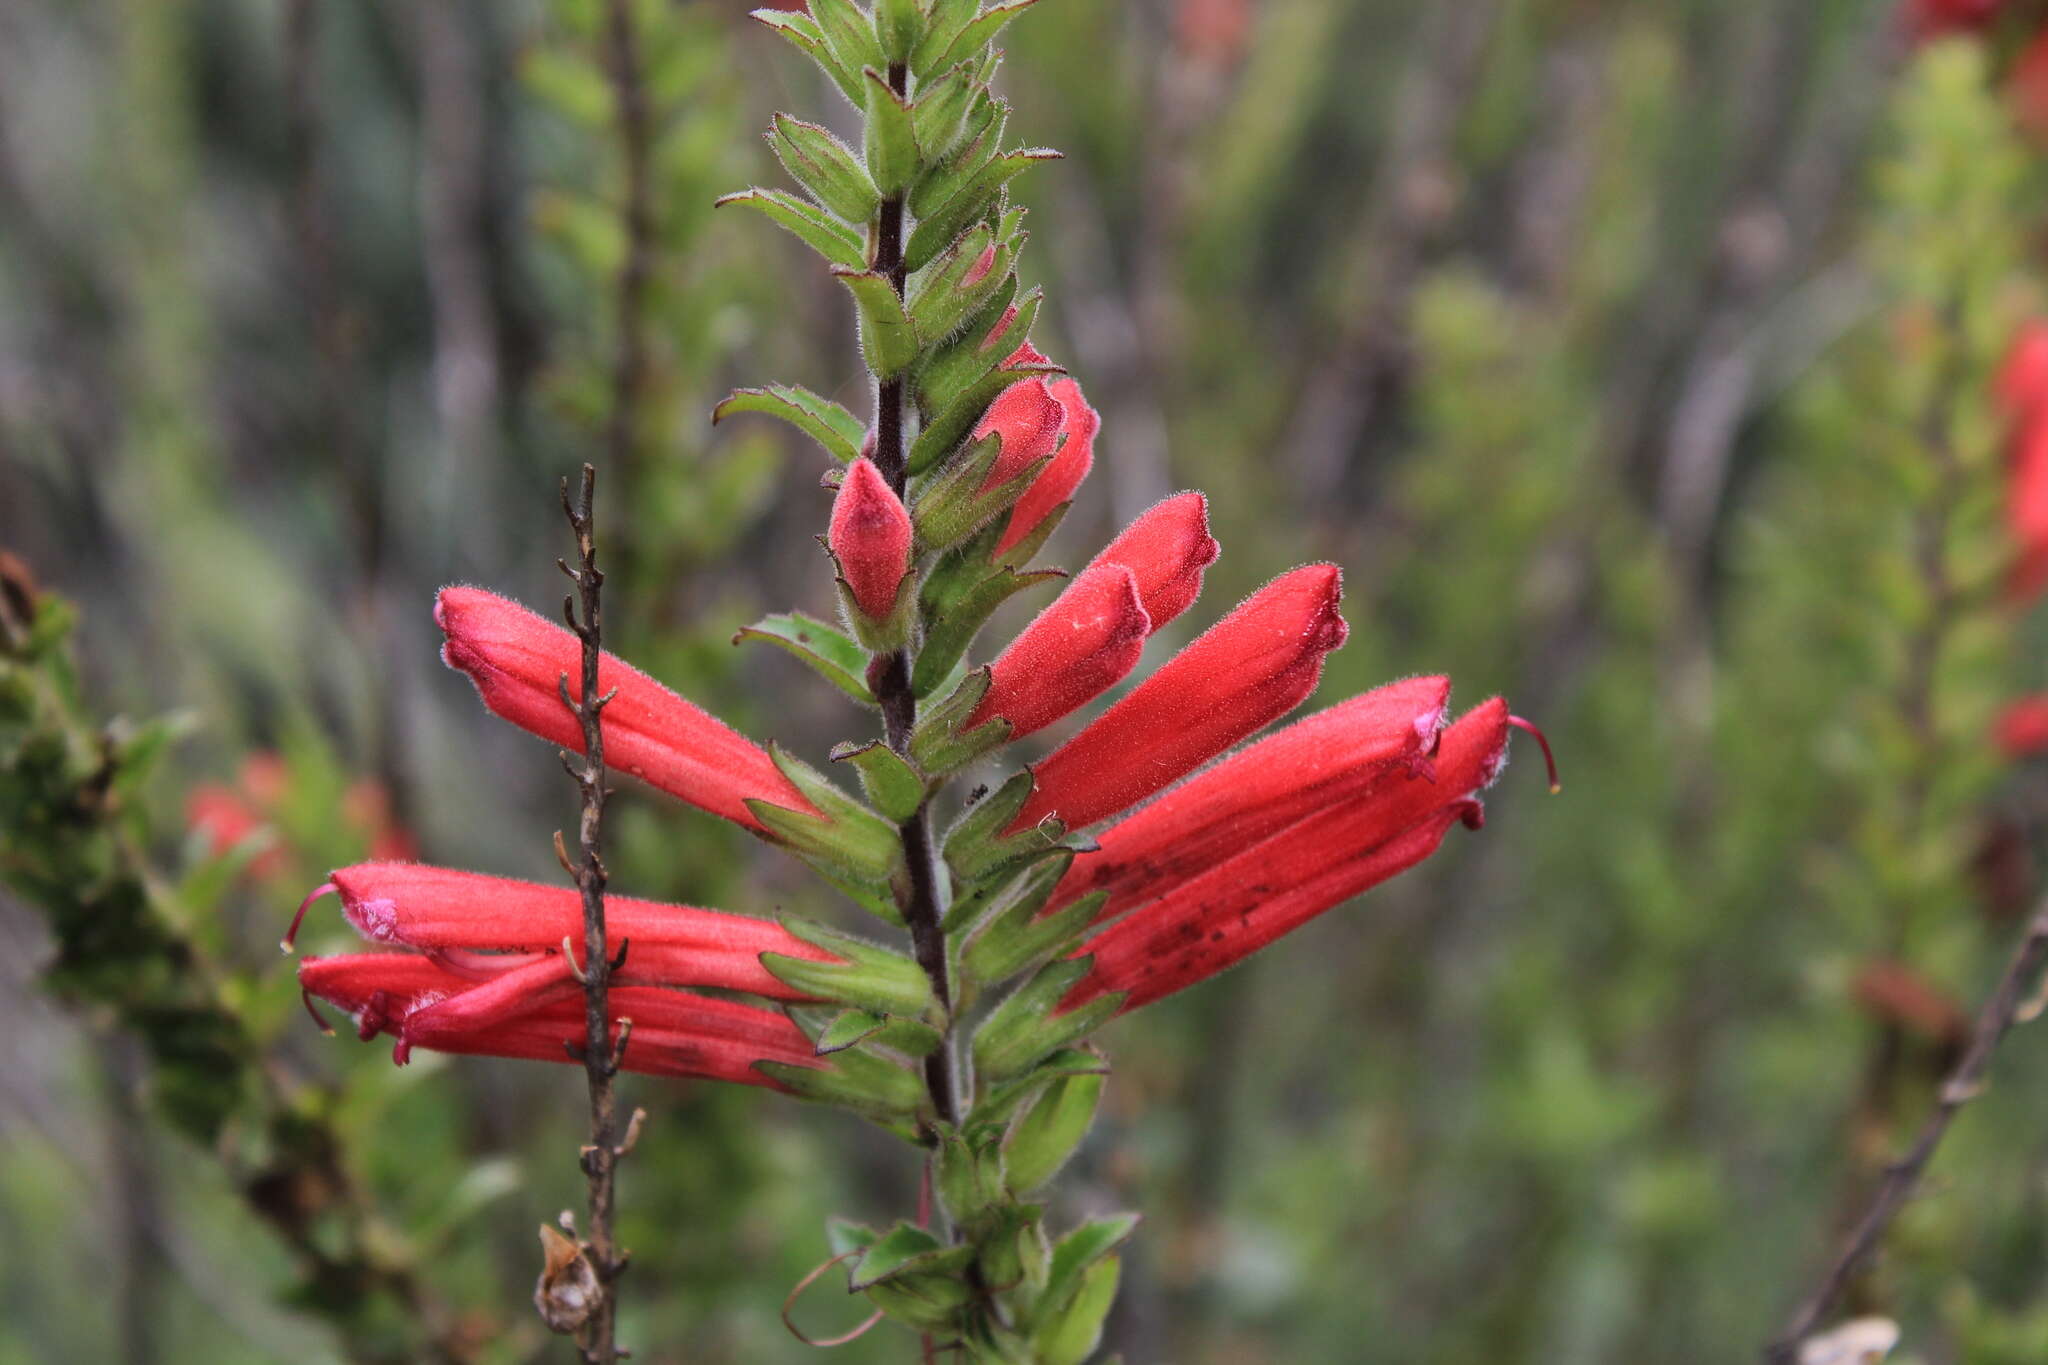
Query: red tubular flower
(1930, 19)
(2023, 375)
(870, 537)
(517, 661)
(2022, 730)
(1167, 549)
(1219, 918)
(1071, 653)
(1249, 669)
(2026, 505)
(1323, 760)
(1056, 483)
(424, 1004)
(439, 910)
(1028, 418)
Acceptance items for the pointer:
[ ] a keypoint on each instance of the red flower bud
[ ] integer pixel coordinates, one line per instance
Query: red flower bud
(1167, 548)
(1249, 669)
(1219, 918)
(425, 1004)
(870, 537)
(441, 910)
(1075, 650)
(2022, 730)
(1328, 758)
(1056, 483)
(517, 661)
(1028, 419)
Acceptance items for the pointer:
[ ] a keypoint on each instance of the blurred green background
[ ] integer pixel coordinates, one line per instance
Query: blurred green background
(1634, 360)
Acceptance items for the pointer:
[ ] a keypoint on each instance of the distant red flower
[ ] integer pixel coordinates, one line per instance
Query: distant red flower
(1074, 651)
(423, 1003)
(870, 537)
(1249, 669)
(2027, 86)
(517, 661)
(225, 815)
(1333, 756)
(1929, 19)
(2021, 390)
(1271, 887)
(2022, 730)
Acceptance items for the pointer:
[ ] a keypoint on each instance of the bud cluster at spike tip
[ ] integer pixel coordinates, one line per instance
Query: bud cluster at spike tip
(1035, 419)
(517, 660)
(870, 537)
(491, 971)
(1216, 918)
(1249, 669)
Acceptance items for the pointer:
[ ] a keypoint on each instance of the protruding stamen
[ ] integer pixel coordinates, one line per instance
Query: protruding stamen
(306, 999)
(476, 965)
(291, 935)
(1549, 760)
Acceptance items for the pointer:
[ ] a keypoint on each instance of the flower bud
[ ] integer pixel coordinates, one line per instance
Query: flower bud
(1167, 548)
(870, 538)
(1056, 483)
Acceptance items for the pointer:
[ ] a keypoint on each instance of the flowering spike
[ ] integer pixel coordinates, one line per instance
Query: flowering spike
(870, 537)
(1168, 548)
(517, 660)
(291, 935)
(1272, 887)
(1331, 756)
(1076, 649)
(1249, 669)
(1549, 760)
(1057, 482)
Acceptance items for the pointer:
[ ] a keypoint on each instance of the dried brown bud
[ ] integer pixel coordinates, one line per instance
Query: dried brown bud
(568, 1291)
(18, 600)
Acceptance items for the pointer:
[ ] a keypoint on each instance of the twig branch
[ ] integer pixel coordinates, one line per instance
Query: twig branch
(601, 1052)
(1963, 1084)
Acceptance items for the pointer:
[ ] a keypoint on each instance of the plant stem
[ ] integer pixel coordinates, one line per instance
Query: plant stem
(2006, 1006)
(601, 1055)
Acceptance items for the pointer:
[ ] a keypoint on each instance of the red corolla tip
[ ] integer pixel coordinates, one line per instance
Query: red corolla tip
(1549, 761)
(1168, 548)
(870, 537)
(1246, 671)
(517, 660)
(291, 935)
(1028, 418)
(1072, 652)
(2022, 729)
(1057, 482)
(2022, 380)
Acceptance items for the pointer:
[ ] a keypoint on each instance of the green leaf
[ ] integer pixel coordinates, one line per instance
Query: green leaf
(891, 137)
(946, 431)
(1025, 1028)
(949, 18)
(853, 1080)
(844, 1235)
(820, 231)
(939, 117)
(821, 419)
(1083, 1247)
(847, 1028)
(981, 137)
(975, 844)
(1015, 934)
(826, 167)
(946, 373)
(895, 788)
(899, 24)
(809, 39)
(825, 648)
(887, 340)
(906, 1250)
(972, 37)
(961, 279)
(1071, 1335)
(968, 202)
(850, 33)
(1047, 1134)
(958, 597)
(866, 977)
(953, 504)
(847, 841)
(940, 744)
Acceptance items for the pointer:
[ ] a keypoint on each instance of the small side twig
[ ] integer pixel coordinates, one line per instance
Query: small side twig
(1902, 1177)
(601, 1054)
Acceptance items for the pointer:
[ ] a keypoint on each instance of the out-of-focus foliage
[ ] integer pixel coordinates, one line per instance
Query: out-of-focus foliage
(1633, 359)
